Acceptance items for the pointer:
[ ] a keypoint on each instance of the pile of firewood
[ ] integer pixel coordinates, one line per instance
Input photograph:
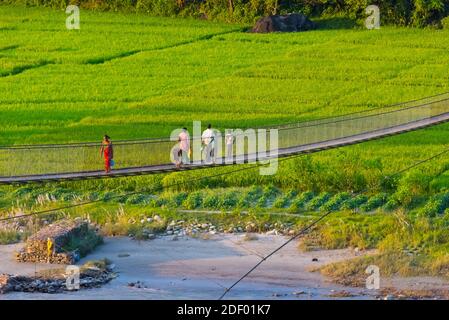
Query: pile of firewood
(60, 235)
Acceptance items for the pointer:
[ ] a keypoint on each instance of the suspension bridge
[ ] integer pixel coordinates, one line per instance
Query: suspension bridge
(21, 164)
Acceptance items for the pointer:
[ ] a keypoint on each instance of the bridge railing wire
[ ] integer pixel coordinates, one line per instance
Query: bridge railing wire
(75, 158)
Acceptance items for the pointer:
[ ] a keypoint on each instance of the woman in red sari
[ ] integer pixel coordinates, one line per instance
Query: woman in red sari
(107, 153)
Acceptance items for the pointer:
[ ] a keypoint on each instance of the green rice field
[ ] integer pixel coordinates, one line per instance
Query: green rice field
(135, 76)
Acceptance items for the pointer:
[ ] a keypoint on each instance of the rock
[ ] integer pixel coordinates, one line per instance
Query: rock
(123, 255)
(272, 232)
(389, 297)
(6, 283)
(169, 232)
(293, 22)
(157, 218)
(88, 279)
(298, 293)
(149, 220)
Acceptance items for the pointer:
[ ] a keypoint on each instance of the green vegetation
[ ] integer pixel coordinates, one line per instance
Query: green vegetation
(135, 76)
(85, 244)
(402, 12)
(151, 75)
(10, 236)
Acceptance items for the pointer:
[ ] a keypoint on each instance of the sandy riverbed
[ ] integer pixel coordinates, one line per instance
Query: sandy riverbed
(201, 269)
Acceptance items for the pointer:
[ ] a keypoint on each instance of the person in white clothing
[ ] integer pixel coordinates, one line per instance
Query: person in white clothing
(229, 138)
(208, 142)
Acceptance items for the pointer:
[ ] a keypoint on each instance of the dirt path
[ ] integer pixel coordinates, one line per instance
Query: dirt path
(201, 269)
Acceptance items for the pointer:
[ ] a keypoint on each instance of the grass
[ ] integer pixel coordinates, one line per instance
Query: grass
(136, 76)
(10, 237)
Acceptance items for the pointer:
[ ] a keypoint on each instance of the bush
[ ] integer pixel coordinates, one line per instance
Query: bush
(391, 204)
(336, 201)
(229, 200)
(445, 23)
(281, 202)
(375, 202)
(435, 206)
(250, 197)
(212, 202)
(355, 202)
(193, 201)
(179, 198)
(300, 201)
(318, 201)
(138, 199)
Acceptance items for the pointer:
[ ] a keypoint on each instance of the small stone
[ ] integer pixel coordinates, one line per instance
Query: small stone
(123, 255)
(298, 293)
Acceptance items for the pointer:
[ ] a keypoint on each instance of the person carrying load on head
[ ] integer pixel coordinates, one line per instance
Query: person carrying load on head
(107, 152)
(208, 142)
(184, 148)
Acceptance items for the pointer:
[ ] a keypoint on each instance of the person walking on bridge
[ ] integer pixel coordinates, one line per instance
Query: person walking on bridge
(184, 148)
(208, 141)
(107, 152)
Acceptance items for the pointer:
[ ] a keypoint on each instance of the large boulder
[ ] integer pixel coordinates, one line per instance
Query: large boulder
(292, 22)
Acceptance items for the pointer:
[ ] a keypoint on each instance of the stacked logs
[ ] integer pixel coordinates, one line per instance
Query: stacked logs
(60, 234)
